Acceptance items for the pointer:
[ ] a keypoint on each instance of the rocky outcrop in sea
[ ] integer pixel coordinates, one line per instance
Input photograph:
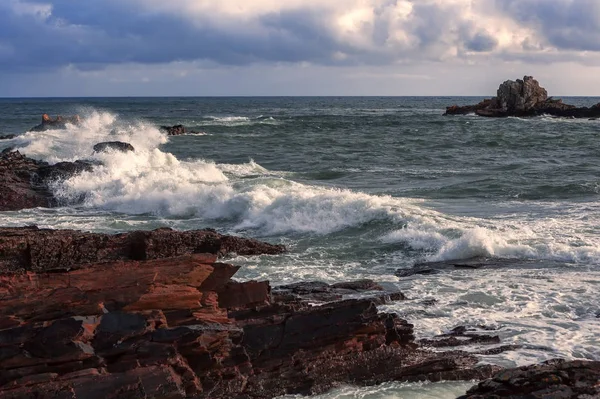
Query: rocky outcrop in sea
(524, 98)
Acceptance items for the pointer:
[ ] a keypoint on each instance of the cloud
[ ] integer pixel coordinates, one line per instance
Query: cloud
(94, 34)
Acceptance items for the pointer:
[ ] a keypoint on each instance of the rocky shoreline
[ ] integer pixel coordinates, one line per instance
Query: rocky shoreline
(524, 98)
(155, 314)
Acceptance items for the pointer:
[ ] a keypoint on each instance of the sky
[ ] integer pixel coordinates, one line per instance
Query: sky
(60, 48)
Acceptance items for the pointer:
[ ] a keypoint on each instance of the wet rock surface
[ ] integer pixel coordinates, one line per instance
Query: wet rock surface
(113, 145)
(554, 379)
(474, 264)
(24, 181)
(7, 136)
(524, 97)
(145, 314)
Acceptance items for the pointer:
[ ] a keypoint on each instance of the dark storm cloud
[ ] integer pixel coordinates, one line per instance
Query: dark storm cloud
(565, 24)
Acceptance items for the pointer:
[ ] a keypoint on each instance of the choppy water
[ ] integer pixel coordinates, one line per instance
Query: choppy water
(357, 188)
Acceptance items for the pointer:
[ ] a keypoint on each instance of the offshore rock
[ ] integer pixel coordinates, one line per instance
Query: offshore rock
(24, 181)
(113, 145)
(59, 122)
(554, 379)
(175, 130)
(44, 250)
(8, 137)
(180, 327)
(523, 98)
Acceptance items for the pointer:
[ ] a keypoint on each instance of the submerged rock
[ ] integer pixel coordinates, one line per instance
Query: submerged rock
(554, 379)
(8, 137)
(523, 98)
(113, 145)
(60, 122)
(475, 263)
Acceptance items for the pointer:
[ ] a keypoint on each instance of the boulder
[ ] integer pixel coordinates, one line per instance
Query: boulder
(113, 145)
(59, 122)
(553, 379)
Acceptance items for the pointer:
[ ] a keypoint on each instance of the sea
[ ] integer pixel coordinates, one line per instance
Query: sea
(355, 187)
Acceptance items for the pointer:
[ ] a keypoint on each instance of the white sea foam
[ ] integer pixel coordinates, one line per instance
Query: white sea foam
(150, 181)
(234, 121)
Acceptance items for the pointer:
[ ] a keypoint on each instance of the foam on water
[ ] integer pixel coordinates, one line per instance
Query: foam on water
(151, 181)
(395, 390)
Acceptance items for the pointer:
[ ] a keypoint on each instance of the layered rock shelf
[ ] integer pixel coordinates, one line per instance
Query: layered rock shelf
(155, 315)
(524, 98)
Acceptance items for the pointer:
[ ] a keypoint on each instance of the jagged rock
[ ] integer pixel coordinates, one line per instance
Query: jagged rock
(42, 250)
(180, 327)
(8, 137)
(113, 145)
(520, 95)
(523, 98)
(175, 130)
(24, 181)
(554, 379)
(59, 122)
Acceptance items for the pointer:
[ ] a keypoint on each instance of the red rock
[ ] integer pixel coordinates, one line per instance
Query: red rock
(129, 315)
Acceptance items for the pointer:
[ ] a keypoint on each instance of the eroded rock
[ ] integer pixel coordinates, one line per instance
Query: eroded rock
(178, 326)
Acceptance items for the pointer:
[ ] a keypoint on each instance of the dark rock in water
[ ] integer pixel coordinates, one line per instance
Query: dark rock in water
(523, 98)
(8, 137)
(478, 262)
(175, 130)
(113, 145)
(63, 170)
(60, 122)
(42, 250)
(461, 336)
(322, 292)
(24, 181)
(554, 379)
(17, 189)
